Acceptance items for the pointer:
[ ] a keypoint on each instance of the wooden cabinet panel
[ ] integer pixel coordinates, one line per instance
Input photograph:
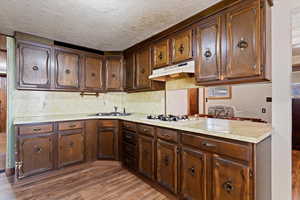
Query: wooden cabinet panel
(146, 156)
(62, 126)
(145, 129)
(93, 73)
(182, 46)
(231, 180)
(71, 148)
(208, 61)
(107, 141)
(3, 42)
(91, 136)
(35, 155)
(35, 129)
(130, 71)
(34, 65)
(167, 134)
(67, 64)
(167, 165)
(161, 54)
(243, 42)
(114, 73)
(193, 175)
(143, 68)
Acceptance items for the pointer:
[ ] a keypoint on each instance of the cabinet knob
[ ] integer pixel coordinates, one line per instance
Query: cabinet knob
(143, 70)
(71, 144)
(37, 129)
(160, 55)
(35, 68)
(242, 44)
(93, 74)
(206, 144)
(166, 160)
(37, 149)
(228, 187)
(68, 71)
(192, 171)
(207, 53)
(113, 75)
(181, 49)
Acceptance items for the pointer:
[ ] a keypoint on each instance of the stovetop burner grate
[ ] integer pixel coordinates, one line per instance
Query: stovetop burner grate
(163, 117)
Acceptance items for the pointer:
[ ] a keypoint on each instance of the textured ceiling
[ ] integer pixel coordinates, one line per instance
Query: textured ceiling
(98, 24)
(296, 27)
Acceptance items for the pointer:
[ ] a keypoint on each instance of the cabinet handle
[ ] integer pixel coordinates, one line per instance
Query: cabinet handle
(68, 71)
(228, 187)
(145, 130)
(72, 126)
(166, 160)
(35, 68)
(71, 144)
(38, 149)
(36, 129)
(181, 49)
(192, 171)
(160, 56)
(128, 137)
(165, 135)
(207, 53)
(113, 75)
(206, 144)
(242, 44)
(143, 71)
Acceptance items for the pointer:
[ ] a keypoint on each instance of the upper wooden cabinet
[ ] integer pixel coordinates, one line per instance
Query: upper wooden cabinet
(208, 43)
(143, 68)
(182, 46)
(3, 43)
(34, 66)
(129, 75)
(93, 73)
(243, 27)
(67, 66)
(161, 53)
(114, 73)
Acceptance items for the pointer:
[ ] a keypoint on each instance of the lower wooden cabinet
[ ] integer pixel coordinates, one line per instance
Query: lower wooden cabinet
(71, 148)
(231, 180)
(35, 155)
(107, 143)
(167, 165)
(146, 156)
(193, 175)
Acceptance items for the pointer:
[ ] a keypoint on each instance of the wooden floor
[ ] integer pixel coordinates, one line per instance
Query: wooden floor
(97, 182)
(296, 175)
(2, 150)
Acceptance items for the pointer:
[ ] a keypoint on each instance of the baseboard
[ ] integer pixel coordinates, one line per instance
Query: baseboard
(10, 171)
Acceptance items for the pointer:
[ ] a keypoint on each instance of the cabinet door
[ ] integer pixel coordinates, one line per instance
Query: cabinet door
(35, 155)
(167, 165)
(130, 71)
(146, 156)
(143, 68)
(93, 73)
(107, 141)
(71, 148)
(114, 73)
(34, 63)
(182, 46)
(193, 173)
(243, 42)
(208, 60)
(161, 54)
(230, 180)
(67, 69)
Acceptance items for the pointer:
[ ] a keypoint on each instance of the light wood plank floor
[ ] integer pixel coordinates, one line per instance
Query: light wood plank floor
(2, 150)
(96, 182)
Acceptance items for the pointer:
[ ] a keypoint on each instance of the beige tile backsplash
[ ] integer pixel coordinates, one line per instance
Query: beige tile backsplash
(39, 103)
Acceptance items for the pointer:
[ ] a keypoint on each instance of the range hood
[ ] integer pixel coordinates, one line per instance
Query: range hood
(174, 71)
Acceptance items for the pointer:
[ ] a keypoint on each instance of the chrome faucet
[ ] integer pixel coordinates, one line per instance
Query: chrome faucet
(116, 108)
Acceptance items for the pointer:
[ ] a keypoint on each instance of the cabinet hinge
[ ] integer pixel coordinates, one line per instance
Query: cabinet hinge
(251, 173)
(19, 165)
(177, 150)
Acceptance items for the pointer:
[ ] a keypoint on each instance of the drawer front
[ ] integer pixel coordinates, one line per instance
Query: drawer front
(129, 149)
(129, 126)
(108, 123)
(146, 130)
(129, 137)
(166, 134)
(35, 129)
(70, 125)
(234, 150)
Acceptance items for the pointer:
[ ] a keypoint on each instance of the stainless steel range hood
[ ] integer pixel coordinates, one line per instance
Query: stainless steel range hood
(174, 71)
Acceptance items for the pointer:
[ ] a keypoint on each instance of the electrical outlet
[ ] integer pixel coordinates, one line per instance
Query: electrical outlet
(263, 110)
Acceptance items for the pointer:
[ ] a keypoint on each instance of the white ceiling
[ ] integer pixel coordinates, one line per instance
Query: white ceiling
(99, 24)
(296, 27)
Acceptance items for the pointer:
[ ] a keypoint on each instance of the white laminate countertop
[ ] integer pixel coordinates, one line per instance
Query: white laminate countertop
(245, 131)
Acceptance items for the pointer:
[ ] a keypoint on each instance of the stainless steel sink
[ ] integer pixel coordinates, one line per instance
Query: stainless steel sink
(107, 114)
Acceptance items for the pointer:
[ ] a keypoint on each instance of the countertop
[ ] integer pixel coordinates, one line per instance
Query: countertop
(245, 131)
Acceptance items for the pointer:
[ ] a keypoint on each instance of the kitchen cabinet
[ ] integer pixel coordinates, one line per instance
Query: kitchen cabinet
(193, 174)
(129, 75)
(34, 66)
(161, 53)
(107, 143)
(143, 68)
(167, 165)
(146, 156)
(71, 148)
(67, 66)
(93, 73)
(130, 145)
(114, 73)
(208, 48)
(244, 44)
(3, 43)
(231, 180)
(35, 155)
(91, 140)
(182, 47)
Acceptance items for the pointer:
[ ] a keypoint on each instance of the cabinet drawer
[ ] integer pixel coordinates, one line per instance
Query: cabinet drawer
(35, 129)
(129, 137)
(129, 126)
(167, 134)
(70, 125)
(146, 130)
(129, 149)
(108, 123)
(234, 150)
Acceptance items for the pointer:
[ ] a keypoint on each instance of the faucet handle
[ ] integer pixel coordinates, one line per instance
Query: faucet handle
(116, 108)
